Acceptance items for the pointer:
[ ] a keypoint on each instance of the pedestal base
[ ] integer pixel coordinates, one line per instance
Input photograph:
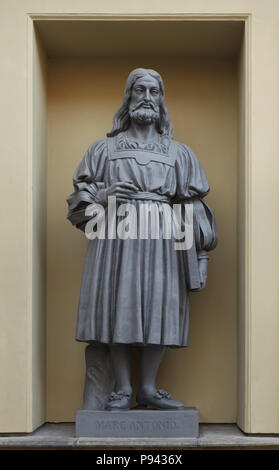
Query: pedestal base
(137, 423)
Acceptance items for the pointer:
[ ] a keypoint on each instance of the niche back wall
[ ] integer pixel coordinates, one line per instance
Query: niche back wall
(201, 96)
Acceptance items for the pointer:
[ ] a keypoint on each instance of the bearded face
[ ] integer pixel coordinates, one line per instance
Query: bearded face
(144, 115)
(144, 108)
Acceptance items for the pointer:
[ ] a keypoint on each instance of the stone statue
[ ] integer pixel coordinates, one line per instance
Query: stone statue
(135, 288)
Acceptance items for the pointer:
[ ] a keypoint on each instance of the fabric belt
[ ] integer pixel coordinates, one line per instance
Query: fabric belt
(149, 196)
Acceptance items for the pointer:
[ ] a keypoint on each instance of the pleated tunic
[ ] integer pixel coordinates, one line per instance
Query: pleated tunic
(134, 290)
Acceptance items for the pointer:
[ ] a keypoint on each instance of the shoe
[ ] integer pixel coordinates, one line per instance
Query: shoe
(119, 401)
(161, 400)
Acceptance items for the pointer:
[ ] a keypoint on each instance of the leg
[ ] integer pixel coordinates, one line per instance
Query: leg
(120, 355)
(148, 395)
(120, 399)
(151, 357)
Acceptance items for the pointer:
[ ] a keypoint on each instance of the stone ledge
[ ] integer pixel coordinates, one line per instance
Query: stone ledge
(61, 435)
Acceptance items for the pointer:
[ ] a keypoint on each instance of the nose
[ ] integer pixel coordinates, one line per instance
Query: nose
(147, 96)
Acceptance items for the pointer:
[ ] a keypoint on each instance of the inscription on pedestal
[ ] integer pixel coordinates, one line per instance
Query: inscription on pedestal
(137, 423)
(137, 426)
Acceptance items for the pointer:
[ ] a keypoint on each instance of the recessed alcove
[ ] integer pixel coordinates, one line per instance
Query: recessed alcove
(79, 73)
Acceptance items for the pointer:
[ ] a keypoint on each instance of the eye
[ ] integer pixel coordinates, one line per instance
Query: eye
(155, 91)
(138, 89)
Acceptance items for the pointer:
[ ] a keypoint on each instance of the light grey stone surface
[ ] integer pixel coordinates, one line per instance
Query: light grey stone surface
(211, 435)
(138, 423)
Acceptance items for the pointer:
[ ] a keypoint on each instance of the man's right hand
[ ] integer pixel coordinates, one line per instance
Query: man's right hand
(121, 190)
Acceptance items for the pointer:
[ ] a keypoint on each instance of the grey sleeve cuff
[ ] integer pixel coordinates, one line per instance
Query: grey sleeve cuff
(202, 254)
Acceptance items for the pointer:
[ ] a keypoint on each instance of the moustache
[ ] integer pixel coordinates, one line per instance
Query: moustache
(139, 105)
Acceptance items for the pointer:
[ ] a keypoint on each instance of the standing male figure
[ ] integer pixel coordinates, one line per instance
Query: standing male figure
(135, 291)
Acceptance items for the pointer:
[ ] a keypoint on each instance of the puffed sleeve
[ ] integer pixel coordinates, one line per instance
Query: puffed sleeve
(192, 186)
(87, 181)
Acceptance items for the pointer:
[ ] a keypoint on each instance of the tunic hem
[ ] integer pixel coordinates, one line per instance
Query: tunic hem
(132, 343)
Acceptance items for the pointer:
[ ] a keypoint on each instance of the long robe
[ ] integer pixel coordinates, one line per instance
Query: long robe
(135, 291)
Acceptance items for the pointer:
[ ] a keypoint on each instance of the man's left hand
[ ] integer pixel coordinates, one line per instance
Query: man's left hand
(203, 271)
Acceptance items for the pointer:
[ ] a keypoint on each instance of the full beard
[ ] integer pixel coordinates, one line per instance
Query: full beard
(144, 116)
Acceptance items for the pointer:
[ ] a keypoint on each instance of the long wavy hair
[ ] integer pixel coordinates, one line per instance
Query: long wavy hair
(121, 120)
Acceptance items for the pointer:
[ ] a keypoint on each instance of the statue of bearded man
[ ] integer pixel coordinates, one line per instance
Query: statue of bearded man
(134, 290)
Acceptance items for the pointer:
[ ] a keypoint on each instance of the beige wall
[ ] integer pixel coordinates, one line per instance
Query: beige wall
(20, 341)
(83, 96)
(37, 238)
(243, 330)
